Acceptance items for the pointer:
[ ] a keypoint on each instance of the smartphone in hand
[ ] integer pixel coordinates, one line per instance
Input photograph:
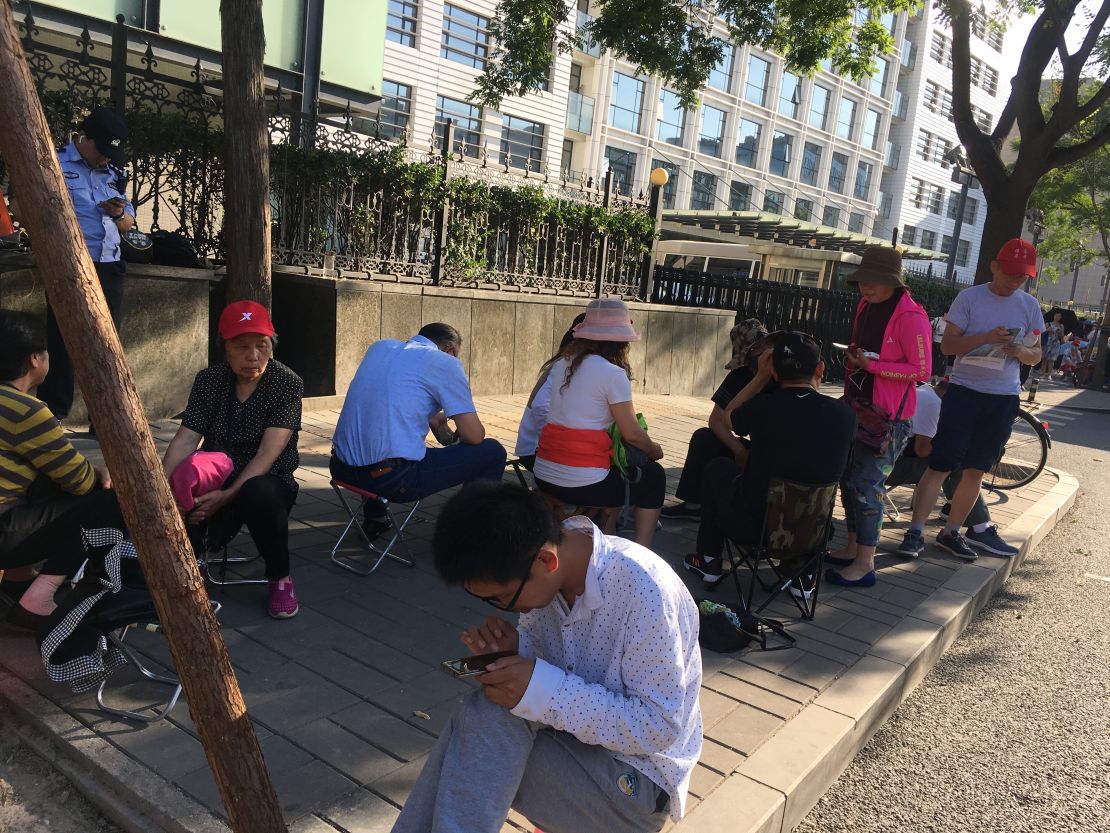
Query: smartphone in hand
(473, 666)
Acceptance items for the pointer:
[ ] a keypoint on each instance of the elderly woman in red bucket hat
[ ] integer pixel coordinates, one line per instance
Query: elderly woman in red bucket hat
(592, 390)
(247, 407)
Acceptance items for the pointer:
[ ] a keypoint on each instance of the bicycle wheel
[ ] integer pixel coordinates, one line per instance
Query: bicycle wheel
(1024, 455)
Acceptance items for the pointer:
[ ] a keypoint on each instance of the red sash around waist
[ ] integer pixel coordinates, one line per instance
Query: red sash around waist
(588, 448)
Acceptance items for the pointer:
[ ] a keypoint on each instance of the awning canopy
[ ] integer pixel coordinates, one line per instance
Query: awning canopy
(761, 225)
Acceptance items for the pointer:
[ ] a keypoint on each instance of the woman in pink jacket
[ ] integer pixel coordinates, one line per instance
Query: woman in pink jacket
(891, 351)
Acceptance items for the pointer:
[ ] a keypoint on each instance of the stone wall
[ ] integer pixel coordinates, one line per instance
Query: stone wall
(507, 336)
(325, 325)
(165, 329)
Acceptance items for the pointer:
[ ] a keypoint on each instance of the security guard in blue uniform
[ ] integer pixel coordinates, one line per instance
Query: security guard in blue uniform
(90, 166)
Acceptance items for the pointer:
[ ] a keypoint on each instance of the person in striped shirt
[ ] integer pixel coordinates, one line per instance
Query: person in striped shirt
(48, 490)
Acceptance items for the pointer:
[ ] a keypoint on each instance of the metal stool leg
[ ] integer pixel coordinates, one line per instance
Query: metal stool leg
(356, 567)
(892, 512)
(160, 713)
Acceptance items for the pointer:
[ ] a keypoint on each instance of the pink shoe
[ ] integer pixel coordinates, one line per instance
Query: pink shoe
(283, 599)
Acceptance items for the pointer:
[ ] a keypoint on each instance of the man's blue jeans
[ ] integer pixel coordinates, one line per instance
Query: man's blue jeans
(441, 468)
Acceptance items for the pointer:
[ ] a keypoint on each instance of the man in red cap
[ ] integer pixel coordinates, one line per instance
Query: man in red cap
(992, 329)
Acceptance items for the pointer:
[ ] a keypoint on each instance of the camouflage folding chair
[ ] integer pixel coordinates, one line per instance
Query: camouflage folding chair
(796, 530)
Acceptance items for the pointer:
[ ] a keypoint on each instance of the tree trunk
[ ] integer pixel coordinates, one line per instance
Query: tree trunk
(194, 637)
(1005, 220)
(246, 139)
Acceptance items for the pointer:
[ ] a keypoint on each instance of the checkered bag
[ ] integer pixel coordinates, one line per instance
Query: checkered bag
(110, 593)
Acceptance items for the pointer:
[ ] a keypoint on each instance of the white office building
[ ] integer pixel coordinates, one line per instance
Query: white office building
(920, 199)
(761, 138)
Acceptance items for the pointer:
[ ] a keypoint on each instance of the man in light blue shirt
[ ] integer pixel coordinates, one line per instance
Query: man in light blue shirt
(90, 164)
(400, 391)
(992, 329)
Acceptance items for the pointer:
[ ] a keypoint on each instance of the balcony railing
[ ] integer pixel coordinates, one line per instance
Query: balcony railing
(588, 46)
(901, 105)
(580, 113)
(893, 155)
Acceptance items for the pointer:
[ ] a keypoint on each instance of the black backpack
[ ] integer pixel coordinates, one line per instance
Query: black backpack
(172, 248)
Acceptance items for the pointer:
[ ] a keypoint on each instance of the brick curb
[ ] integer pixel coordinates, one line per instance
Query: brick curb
(779, 783)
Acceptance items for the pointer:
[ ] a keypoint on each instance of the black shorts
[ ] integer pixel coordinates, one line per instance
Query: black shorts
(646, 493)
(974, 428)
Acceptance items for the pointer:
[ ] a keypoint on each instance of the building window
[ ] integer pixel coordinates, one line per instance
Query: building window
(394, 110)
(803, 209)
(855, 222)
(831, 216)
(870, 138)
(780, 152)
(790, 94)
(819, 107)
(522, 144)
(566, 162)
(888, 21)
(838, 172)
(953, 205)
(878, 80)
(623, 165)
(747, 143)
(927, 196)
(672, 119)
(400, 22)
(720, 77)
(971, 211)
(811, 163)
(946, 244)
(845, 118)
(941, 49)
(755, 85)
(928, 239)
(963, 250)
(628, 102)
(773, 202)
(465, 37)
(468, 124)
(739, 196)
(704, 193)
(909, 235)
(670, 190)
(863, 179)
(712, 136)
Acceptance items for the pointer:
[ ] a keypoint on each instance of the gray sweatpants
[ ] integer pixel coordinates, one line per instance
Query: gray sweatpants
(488, 760)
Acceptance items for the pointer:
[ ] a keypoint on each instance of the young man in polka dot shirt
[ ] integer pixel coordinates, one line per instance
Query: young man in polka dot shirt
(593, 722)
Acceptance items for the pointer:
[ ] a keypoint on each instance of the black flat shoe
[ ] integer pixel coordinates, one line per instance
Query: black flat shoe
(839, 562)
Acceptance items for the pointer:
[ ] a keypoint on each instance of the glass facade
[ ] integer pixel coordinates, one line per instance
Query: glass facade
(466, 37)
(672, 119)
(628, 102)
(864, 171)
(838, 172)
(623, 165)
(720, 77)
(670, 190)
(747, 142)
(712, 135)
(803, 209)
(845, 118)
(773, 202)
(870, 137)
(781, 144)
(522, 144)
(703, 196)
(819, 107)
(755, 85)
(468, 124)
(811, 163)
(400, 22)
(739, 196)
(790, 95)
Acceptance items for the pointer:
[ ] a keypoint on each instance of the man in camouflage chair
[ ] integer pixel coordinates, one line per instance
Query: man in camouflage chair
(796, 434)
(717, 440)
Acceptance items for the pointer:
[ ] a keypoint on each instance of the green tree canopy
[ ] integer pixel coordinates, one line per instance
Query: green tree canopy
(680, 40)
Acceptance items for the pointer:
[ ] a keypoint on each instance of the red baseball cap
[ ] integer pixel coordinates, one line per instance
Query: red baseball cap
(245, 317)
(1018, 257)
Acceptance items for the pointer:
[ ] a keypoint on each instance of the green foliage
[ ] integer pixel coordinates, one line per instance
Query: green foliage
(936, 297)
(675, 39)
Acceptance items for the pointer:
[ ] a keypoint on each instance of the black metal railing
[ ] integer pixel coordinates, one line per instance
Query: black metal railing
(341, 197)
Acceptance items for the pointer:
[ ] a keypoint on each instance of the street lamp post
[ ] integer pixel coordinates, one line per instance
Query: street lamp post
(962, 174)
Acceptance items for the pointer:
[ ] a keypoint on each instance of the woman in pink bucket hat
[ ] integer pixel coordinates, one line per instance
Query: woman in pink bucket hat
(592, 389)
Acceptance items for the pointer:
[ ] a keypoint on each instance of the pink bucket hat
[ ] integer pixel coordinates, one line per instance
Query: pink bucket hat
(607, 319)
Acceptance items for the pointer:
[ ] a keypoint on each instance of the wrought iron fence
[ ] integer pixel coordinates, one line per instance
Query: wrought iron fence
(825, 314)
(339, 195)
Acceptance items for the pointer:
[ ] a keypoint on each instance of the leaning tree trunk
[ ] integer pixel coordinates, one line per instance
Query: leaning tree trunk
(196, 644)
(1005, 220)
(246, 139)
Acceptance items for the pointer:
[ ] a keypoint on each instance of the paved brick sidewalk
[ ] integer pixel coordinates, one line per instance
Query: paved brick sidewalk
(348, 698)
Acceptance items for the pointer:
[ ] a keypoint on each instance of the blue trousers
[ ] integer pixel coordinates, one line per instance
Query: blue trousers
(864, 484)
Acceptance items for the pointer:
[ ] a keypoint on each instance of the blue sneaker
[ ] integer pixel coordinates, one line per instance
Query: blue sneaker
(990, 541)
(955, 543)
(913, 544)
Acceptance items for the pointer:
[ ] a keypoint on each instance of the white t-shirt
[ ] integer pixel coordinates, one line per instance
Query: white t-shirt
(927, 416)
(595, 386)
(533, 420)
(978, 310)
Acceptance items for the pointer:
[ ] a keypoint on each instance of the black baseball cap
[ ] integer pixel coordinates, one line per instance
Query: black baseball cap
(796, 354)
(108, 131)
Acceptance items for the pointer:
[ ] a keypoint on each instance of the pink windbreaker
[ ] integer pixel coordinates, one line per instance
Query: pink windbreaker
(906, 357)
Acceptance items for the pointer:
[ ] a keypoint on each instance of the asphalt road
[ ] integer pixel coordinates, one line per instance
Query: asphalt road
(1011, 730)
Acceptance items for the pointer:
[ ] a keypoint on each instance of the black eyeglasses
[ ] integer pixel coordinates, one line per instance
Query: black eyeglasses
(494, 602)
